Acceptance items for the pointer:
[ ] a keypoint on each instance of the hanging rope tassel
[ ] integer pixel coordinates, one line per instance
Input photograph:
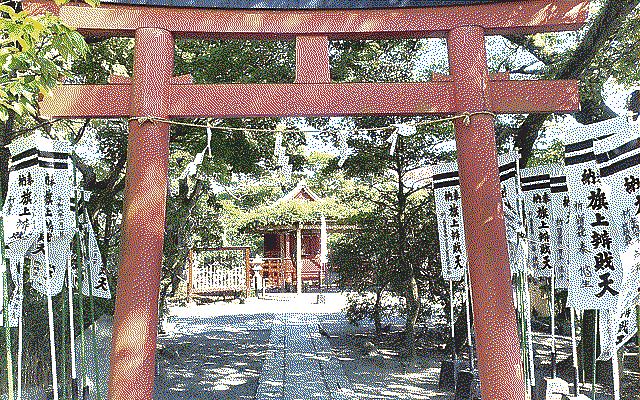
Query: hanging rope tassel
(343, 146)
(209, 140)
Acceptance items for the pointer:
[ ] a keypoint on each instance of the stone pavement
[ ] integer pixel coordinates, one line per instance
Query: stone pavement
(300, 363)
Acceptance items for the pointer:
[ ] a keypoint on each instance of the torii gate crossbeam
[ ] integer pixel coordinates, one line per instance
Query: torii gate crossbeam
(154, 92)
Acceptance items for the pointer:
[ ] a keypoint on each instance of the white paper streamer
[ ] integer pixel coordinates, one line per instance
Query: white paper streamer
(401, 130)
(343, 146)
(323, 240)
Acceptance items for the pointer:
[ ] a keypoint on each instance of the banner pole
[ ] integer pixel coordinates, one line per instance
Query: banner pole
(552, 310)
(453, 331)
(7, 328)
(594, 355)
(574, 351)
(615, 366)
(20, 339)
(638, 334)
(468, 311)
(72, 334)
(52, 339)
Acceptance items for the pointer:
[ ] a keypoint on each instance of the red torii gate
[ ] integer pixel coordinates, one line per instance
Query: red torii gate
(154, 92)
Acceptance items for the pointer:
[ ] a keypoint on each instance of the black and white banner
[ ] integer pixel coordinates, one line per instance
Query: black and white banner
(536, 189)
(95, 282)
(559, 224)
(22, 219)
(595, 270)
(510, 188)
(453, 252)
(446, 184)
(618, 158)
(55, 186)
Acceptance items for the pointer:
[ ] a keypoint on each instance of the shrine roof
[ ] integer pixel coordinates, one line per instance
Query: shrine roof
(303, 4)
(300, 192)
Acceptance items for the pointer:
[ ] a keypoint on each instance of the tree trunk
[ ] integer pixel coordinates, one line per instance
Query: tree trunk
(413, 309)
(586, 345)
(376, 311)
(460, 332)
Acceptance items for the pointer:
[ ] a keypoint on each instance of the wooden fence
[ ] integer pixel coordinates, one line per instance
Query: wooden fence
(219, 271)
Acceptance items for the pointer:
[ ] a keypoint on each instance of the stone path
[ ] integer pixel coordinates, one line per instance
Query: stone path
(300, 363)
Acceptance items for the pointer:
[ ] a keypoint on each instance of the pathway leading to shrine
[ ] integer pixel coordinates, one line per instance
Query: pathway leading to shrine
(300, 363)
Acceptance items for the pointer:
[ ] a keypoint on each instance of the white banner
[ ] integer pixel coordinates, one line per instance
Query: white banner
(536, 189)
(618, 159)
(95, 274)
(595, 270)
(559, 224)
(453, 252)
(509, 185)
(55, 187)
(20, 216)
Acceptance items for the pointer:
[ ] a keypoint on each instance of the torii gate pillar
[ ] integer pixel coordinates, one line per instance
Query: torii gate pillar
(143, 221)
(153, 93)
(499, 359)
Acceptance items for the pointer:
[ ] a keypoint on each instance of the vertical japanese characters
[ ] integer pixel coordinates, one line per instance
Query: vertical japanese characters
(446, 186)
(536, 188)
(595, 271)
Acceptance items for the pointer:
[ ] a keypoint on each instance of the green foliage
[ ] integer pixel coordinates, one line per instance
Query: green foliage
(35, 53)
(363, 307)
(553, 154)
(292, 211)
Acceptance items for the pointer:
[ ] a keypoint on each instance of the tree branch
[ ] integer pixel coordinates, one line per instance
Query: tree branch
(527, 43)
(604, 27)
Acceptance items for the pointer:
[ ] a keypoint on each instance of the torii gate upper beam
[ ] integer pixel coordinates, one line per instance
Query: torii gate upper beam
(515, 17)
(153, 92)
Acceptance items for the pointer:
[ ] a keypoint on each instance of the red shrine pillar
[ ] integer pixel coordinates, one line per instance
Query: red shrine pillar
(136, 314)
(499, 360)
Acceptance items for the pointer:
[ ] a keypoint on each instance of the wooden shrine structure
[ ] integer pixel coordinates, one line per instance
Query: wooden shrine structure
(292, 250)
(153, 92)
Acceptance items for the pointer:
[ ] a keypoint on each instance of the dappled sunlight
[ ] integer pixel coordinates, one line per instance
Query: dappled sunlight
(222, 356)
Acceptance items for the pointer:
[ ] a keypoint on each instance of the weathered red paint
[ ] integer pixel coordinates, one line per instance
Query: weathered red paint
(469, 88)
(136, 314)
(266, 100)
(521, 17)
(499, 361)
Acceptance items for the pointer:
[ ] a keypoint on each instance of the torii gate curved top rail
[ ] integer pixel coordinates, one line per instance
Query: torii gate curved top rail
(154, 92)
